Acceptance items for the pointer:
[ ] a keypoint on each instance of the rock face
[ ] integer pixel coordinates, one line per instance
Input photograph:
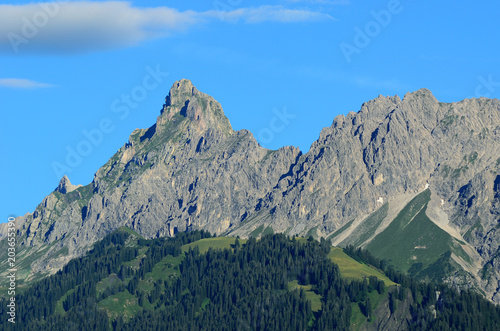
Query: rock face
(192, 170)
(65, 186)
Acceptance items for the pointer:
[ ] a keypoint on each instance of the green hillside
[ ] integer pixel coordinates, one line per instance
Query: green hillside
(413, 243)
(352, 269)
(194, 281)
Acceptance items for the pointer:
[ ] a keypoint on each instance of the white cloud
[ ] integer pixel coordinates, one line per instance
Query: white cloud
(77, 27)
(85, 26)
(22, 83)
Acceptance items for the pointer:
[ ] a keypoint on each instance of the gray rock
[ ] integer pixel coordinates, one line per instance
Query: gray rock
(191, 170)
(65, 186)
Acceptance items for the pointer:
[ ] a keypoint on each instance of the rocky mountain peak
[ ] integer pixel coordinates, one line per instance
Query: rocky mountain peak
(420, 100)
(185, 101)
(421, 93)
(65, 186)
(181, 91)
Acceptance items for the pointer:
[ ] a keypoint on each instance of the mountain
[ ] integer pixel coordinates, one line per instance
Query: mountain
(415, 180)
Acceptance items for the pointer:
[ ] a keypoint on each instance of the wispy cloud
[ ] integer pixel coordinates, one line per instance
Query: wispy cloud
(86, 26)
(22, 83)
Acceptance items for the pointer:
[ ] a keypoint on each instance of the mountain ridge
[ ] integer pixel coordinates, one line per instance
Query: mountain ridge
(191, 170)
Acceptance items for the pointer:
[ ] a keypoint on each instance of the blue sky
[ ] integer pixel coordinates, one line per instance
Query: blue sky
(82, 75)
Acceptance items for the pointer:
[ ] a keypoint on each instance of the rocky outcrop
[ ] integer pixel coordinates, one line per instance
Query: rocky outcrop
(192, 170)
(385, 319)
(65, 186)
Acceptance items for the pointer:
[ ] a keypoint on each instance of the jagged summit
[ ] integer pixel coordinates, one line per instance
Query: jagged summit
(383, 105)
(180, 91)
(423, 92)
(65, 186)
(185, 110)
(185, 101)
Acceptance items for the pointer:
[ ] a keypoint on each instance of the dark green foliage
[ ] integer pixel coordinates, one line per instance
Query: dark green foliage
(369, 308)
(242, 288)
(392, 303)
(464, 310)
(247, 289)
(376, 284)
(35, 307)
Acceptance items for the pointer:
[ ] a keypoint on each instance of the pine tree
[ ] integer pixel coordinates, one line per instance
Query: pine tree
(392, 303)
(369, 309)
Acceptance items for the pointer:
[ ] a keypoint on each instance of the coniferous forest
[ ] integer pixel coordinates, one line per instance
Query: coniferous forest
(167, 285)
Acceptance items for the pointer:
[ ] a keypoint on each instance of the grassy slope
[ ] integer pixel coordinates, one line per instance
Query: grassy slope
(215, 243)
(166, 269)
(412, 238)
(107, 283)
(310, 295)
(121, 304)
(350, 268)
(130, 231)
(59, 306)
